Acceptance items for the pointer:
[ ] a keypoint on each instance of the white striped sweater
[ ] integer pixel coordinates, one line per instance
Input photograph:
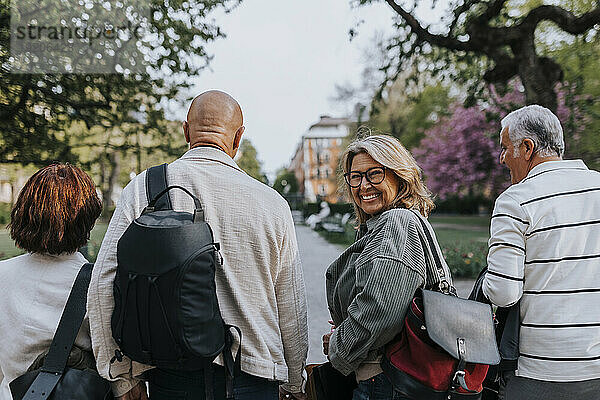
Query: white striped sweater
(545, 250)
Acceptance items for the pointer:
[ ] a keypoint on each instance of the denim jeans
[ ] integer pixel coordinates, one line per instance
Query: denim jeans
(189, 385)
(378, 387)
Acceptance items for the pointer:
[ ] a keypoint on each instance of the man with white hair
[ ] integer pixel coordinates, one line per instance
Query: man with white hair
(544, 251)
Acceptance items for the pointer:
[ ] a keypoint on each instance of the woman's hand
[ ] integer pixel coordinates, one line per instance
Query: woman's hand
(326, 338)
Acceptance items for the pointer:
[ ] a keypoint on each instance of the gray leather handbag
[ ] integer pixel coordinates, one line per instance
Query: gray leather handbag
(447, 342)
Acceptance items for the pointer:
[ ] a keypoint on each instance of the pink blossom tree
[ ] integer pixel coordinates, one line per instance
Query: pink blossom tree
(460, 154)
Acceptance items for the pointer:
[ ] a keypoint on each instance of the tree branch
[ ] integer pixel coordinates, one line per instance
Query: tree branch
(566, 20)
(492, 10)
(458, 11)
(424, 35)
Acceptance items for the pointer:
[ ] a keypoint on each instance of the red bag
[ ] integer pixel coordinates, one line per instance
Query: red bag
(447, 343)
(415, 354)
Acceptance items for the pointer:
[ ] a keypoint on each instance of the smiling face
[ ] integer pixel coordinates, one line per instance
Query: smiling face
(373, 199)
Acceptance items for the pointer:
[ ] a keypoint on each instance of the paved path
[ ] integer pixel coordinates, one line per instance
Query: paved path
(316, 255)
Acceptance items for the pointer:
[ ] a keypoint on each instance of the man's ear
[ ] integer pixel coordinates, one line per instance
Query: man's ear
(186, 131)
(529, 149)
(238, 138)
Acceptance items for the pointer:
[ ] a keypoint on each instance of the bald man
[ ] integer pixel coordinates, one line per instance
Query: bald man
(260, 287)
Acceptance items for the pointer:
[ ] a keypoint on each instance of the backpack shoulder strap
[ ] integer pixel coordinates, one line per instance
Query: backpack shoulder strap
(63, 340)
(156, 182)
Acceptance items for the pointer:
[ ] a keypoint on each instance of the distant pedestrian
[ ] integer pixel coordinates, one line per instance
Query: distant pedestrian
(52, 217)
(372, 283)
(260, 285)
(545, 253)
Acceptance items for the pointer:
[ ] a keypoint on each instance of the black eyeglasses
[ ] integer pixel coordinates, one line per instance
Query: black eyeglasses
(374, 175)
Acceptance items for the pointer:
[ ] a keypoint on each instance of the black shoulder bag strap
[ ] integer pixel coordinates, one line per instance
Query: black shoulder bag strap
(68, 327)
(156, 182)
(446, 288)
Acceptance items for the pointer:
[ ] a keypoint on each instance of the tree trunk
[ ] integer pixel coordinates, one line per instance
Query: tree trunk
(539, 75)
(110, 172)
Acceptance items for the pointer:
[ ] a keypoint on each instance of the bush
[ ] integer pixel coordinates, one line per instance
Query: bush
(5, 213)
(344, 239)
(310, 208)
(465, 259)
(341, 208)
(336, 208)
(465, 205)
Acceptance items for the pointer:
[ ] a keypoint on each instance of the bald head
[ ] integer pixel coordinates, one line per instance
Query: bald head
(214, 119)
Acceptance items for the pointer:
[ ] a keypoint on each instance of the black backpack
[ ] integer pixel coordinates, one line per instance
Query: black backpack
(166, 309)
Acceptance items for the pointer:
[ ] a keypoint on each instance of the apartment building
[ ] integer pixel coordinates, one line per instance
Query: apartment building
(316, 160)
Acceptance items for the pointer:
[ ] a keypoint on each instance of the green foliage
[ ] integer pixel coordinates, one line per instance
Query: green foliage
(463, 241)
(581, 63)
(247, 160)
(482, 42)
(470, 204)
(5, 210)
(96, 237)
(8, 248)
(335, 208)
(465, 259)
(408, 117)
(38, 110)
(286, 182)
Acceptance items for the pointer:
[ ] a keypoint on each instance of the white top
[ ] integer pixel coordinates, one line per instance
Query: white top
(34, 290)
(260, 287)
(545, 250)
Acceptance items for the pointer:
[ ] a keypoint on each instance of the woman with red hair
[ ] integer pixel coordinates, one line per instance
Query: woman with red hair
(51, 219)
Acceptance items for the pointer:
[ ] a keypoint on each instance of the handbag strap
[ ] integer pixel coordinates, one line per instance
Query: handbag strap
(156, 182)
(443, 277)
(64, 338)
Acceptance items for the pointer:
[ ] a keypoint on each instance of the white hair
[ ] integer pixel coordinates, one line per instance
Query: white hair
(538, 124)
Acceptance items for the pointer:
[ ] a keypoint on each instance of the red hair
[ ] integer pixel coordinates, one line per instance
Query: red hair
(55, 211)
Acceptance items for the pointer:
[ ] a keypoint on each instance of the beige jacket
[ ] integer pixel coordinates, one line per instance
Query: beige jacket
(34, 288)
(260, 287)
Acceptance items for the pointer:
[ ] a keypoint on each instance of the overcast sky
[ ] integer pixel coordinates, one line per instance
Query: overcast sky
(282, 59)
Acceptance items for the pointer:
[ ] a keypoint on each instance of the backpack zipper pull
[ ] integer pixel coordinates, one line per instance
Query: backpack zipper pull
(117, 357)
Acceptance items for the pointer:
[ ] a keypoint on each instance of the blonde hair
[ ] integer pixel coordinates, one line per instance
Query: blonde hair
(390, 153)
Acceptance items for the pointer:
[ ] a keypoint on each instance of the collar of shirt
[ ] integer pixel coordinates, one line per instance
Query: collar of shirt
(555, 165)
(210, 153)
(371, 222)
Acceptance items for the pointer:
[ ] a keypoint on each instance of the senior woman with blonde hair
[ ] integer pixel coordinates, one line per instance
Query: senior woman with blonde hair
(371, 284)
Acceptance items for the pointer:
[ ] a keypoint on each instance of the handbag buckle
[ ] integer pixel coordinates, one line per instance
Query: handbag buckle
(457, 375)
(444, 287)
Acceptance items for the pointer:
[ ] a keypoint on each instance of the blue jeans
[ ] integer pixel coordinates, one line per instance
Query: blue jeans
(189, 385)
(378, 387)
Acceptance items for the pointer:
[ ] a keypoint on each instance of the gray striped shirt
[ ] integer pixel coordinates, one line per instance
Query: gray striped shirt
(371, 284)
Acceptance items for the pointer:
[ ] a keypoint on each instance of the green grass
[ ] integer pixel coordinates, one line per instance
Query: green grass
(470, 220)
(8, 248)
(449, 235)
(463, 240)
